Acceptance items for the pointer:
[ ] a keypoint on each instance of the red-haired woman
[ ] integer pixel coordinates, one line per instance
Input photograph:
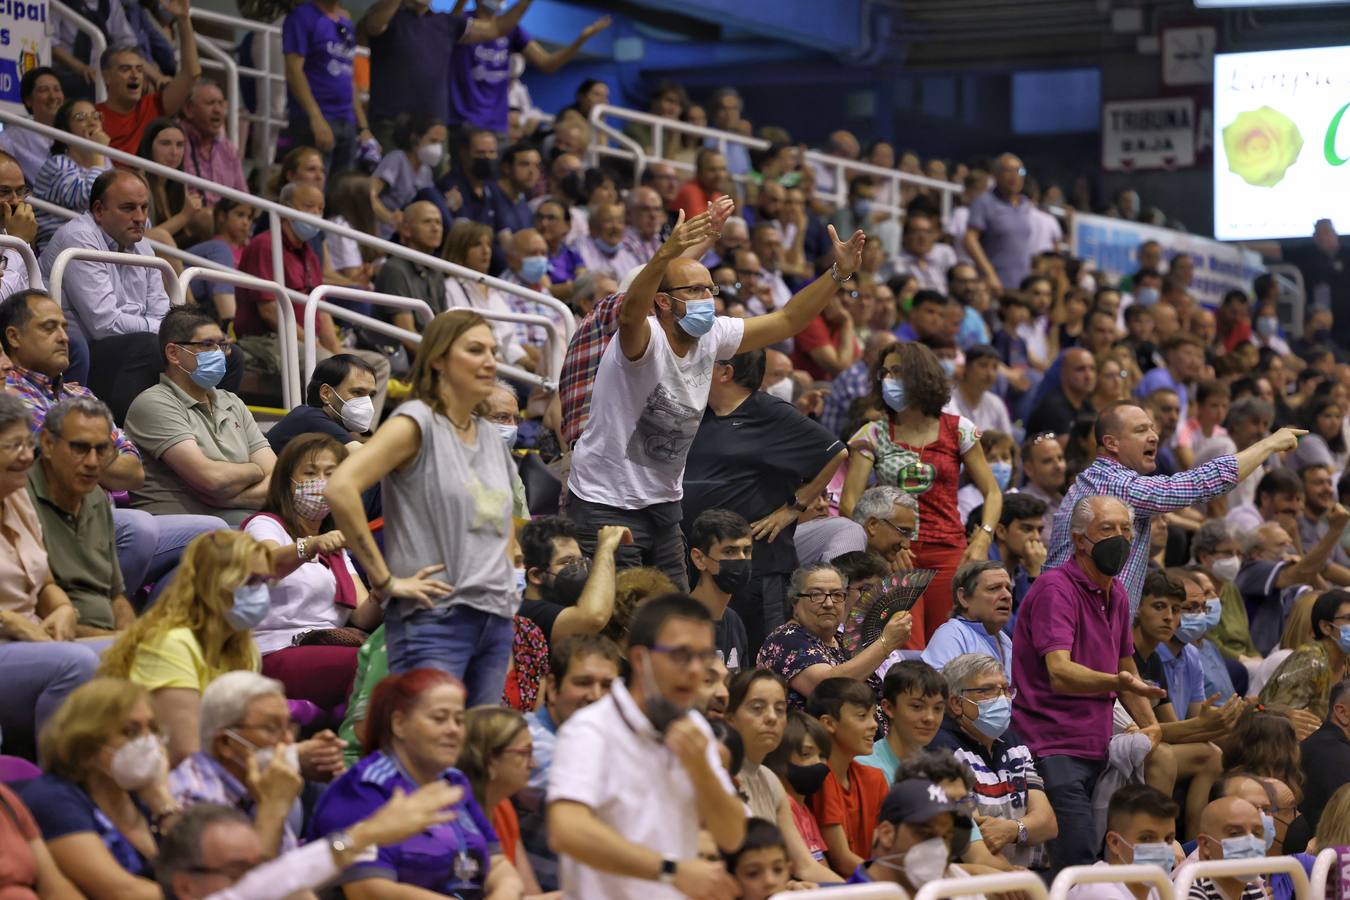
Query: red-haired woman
(414, 732)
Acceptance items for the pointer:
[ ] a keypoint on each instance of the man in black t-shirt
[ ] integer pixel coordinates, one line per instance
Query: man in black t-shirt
(565, 594)
(719, 548)
(757, 456)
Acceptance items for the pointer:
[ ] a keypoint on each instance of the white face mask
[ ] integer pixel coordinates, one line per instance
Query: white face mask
(356, 413)
(430, 154)
(137, 764)
(1226, 569)
(263, 755)
(782, 390)
(924, 862)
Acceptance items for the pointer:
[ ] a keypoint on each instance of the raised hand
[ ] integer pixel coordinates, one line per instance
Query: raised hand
(1285, 439)
(1129, 683)
(687, 234)
(848, 254)
(721, 210)
(596, 27)
(610, 537)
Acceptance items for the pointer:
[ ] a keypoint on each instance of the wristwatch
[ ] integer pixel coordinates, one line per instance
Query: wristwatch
(796, 504)
(1021, 832)
(988, 529)
(834, 273)
(668, 865)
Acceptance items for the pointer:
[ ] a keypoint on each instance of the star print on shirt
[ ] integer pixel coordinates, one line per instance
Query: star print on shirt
(487, 506)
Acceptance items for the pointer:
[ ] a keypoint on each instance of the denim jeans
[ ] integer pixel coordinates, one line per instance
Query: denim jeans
(472, 645)
(1069, 783)
(148, 547)
(37, 678)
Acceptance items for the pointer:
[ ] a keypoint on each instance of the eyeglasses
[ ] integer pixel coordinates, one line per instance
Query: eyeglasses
(908, 534)
(15, 193)
(80, 118)
(523, 752)
(273, 731)
(13, 448)
(987, 693)
(683, 656)
(712, 290)
(225, 345)
(105, 450)
(818, 596)
(504, 419)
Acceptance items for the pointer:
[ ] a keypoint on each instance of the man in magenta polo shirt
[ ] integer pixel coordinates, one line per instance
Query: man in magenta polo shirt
(1072, 650)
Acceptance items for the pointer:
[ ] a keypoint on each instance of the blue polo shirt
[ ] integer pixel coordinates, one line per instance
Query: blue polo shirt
(1005, 236)
(1185, 678)
(446, 859)
(959, 635)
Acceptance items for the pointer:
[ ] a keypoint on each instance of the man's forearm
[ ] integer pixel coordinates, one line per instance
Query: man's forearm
(580, 835)
(718, 811)
(223, 480)
(125, 474)
(1072, 678)
(813, 488)
(638, 302)
(1139, 709)
(299, 85)
(377, 18)
(807, 303)
(1249, 460)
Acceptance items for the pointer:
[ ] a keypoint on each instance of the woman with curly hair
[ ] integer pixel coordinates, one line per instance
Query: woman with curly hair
(198, 629)
(921, 450)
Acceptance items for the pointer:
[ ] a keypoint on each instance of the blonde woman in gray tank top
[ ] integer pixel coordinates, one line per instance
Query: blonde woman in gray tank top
(445, 475)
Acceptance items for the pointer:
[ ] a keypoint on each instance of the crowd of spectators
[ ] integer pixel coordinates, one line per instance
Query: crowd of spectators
(887, 542)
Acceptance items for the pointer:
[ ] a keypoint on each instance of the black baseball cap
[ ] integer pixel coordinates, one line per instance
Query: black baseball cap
(918, 800)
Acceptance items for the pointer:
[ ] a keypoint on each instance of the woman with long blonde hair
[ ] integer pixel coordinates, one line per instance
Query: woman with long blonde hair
(198, 629)
(446, 478)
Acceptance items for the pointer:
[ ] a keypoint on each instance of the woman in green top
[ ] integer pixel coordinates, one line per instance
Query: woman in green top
(1304, 680)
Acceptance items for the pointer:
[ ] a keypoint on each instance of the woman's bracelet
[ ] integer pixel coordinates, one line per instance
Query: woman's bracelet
(383, 587)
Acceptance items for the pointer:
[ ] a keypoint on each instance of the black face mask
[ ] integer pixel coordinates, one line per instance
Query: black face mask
(1109, 555)
(483, 169)
(565, 587)
(806, 780)
(732, 575)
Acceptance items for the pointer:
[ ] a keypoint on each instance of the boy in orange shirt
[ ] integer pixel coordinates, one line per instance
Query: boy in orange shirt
(849, 801)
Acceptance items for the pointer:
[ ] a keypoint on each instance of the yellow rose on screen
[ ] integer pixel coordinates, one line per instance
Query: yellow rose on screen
(1261, 145)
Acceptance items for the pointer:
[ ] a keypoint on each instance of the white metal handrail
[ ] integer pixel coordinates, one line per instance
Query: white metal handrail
(1028, 884)
(30, 260)
(1075, 875)
(70, 254)
(877, 891)
(1321, 872)
(419, 308)
(554, 345)
(1237, 868)
(291, 391)
(277, 211)
(97, 41)
(840, 166)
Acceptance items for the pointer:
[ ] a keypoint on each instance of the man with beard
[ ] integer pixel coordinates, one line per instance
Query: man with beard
(563, 593)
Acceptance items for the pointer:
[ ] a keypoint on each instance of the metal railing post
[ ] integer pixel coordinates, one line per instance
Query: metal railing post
(30, 260)
(1153, 876)
(1232, 868)
(65, 257)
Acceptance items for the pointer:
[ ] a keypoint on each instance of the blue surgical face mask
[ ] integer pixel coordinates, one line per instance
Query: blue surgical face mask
(1244, 846)
(1195, 625)
(508, 433)
(250, 606)
(305, 231)
(1343, 639)
(1146, 296)
(1002, 473)
(894, 394)
(606, 247)
(994, 717)
(520, 582)
(1157, 854)
(210, 368)
(533, 269)
(698, 318)
(1268, 826)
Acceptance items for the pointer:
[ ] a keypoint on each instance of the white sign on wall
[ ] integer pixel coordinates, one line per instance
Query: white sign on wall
(24, 44)
(1148, 134)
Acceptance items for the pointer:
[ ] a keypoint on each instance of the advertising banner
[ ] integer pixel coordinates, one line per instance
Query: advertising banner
(1281, 142)
(1113, 244)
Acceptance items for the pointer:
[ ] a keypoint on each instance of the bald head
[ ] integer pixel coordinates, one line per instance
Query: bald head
(1228, 817)
(525, 242)
(422, 227)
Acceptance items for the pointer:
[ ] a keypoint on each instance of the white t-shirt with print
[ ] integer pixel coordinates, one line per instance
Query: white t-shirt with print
(644, 415)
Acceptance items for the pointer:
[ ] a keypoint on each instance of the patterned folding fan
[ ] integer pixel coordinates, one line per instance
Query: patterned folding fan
(898, 593)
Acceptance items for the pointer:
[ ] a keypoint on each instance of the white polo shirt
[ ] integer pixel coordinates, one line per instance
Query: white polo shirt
(611, 758)
(1107, 890)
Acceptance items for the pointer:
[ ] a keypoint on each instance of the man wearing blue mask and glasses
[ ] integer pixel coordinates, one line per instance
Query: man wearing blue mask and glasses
(651, 388)
(1231, 828)
(204, 453)
(1011, 807)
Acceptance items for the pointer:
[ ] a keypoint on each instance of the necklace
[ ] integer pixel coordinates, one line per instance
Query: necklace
(464, 427)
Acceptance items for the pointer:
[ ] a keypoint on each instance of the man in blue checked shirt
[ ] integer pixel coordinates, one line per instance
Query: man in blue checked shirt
(1127, 452)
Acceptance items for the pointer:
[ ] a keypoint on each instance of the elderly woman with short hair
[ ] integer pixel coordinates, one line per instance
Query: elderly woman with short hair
(805, 650)
(248, 758)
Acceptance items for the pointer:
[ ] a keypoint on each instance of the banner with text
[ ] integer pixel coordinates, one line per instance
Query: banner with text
(1148, 134)
(25, 44)
(1113, 244)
